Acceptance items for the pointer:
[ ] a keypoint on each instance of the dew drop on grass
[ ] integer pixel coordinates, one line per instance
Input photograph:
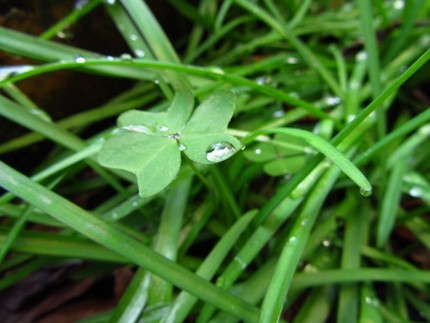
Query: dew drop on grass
(415, 192)
(278, 113)
(111, 2)
(219, 151)
(216, 70)
(139, 53)
(332, 100)
(399, 4)
(257, 151)
(365, 193)
(182, 147)
(79, 59)
(326, 243)
(163, 128)
(292, 60)
(126, 57)
(133, 37)
(65, 34)
(8, 71)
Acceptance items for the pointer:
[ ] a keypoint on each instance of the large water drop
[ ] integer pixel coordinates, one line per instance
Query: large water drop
(219, 151)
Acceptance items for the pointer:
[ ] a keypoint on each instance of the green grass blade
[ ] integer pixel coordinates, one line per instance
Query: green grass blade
(104, 234)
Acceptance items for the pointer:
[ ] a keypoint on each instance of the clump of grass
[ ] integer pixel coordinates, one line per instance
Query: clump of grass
(278, 231)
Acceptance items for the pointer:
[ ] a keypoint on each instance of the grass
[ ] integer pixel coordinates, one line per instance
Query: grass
(330, 99)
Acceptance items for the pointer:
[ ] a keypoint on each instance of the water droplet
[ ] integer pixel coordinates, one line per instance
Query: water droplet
(399, 4)
(415, 192)
(163, 128)
(79, 4)
(350, 117)
(332, 100)
(257, 151)
(263, 80)
(216, 70)
(156, 81)
(109, 58)
(365, 193)
(65, 34)
(111, 2)
(326, 243)
(79, 59)
(303, 223)
(372, 301)
(175, 136)
(133, 37)
(139, 53)
(137, 128)
(292, 60)
(292, 239)
(126, 57)
(182, 147)
(8, 71)
(135, 204)
(219, 152)
(310, 269)
(361, 56)
(278, 113)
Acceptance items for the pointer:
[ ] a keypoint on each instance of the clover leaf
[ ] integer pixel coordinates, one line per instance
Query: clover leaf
(149, 144)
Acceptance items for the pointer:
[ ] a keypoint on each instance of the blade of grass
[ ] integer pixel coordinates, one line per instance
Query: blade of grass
(104, 234)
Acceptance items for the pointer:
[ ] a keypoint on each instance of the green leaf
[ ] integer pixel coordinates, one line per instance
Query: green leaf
(209, 148)
(154, 160)
(213, 114)
(180, 110)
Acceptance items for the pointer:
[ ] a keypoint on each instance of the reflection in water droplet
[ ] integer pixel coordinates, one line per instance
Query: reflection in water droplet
(163, 128)
(139, 53)
(415, 192)
(79, 59)
(219, 152)
(111, 2)
(292, 240)
(8, 71)
(133, 37)
(182, 147)
(365, 193)
(257, 151)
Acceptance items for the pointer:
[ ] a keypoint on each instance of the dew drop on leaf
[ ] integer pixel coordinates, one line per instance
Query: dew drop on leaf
(219, 152)
(163, 128)
(182, 147)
